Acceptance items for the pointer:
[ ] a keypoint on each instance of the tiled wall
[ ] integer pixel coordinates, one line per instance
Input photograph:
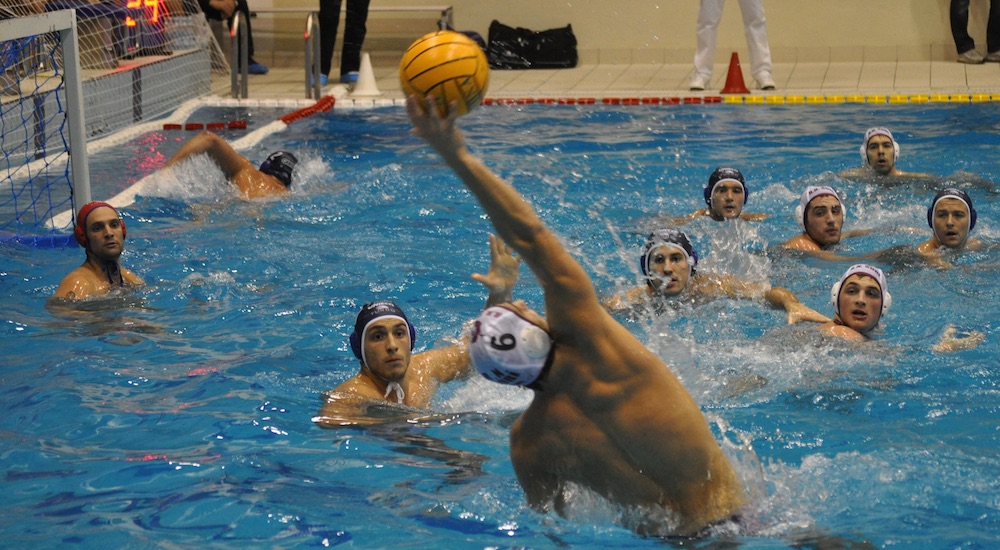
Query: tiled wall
(663, 31)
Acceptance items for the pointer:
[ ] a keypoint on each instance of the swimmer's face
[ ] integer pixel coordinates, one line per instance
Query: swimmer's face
(105, 234)
(860, 303)
(669, 270)
(727, 200)
(824, 219)
(521, 308)
(387, 348)
(951, 222)
(881, 155)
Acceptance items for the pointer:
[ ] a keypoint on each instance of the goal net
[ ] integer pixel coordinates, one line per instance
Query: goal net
(76, 70)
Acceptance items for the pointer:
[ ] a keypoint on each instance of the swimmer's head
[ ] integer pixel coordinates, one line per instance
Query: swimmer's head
(280, 164)
(812, 192)
(722, 176)
(370, 313)
(863, 270)
(508, 349)
(672, 238)
(80, 230)
(884, 132)
(951, 193)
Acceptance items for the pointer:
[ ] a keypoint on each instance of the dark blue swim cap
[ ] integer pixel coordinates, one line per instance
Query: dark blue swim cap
(952, 193)
(368, 314)
(721, 174)
(280, 164)
(670, 236)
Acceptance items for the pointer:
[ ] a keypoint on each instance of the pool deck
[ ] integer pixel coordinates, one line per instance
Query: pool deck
(871, 81)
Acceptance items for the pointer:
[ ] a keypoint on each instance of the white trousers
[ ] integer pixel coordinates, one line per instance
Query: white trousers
(754, 27)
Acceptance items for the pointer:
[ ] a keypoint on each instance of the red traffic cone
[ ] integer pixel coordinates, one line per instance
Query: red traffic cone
(734, 80)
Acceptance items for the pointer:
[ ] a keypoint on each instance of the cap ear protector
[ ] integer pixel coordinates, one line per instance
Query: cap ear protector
(807, 197)
(668, 237)
(80, 230)
(870, 271)
(280, 164)
(724, 174)
(369, 313)
(878, 131)
(951, 193)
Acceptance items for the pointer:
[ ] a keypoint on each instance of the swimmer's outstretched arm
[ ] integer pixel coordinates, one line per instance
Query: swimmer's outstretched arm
(783, 298)
(503, 273)
(776, 296)
(754, 216)
(216, 148)
(950, 342)
(450, 362)
(563, 279)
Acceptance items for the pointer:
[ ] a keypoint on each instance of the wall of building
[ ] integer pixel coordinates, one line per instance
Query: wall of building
(658, 31)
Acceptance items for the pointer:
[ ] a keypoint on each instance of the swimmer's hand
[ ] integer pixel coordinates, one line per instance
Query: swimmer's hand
(949, 342)
(440, 132)
(502, 276)
(801, 312)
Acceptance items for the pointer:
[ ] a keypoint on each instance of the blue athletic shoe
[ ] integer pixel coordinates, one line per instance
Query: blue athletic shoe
(322, 81)
(256, 68)
(349, 78)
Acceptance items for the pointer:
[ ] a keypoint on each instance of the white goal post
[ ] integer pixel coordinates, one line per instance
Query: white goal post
(43, 118)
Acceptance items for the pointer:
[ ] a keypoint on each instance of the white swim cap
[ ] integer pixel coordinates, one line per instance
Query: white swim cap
(508, 349)
(878, 131)
(808, 195)
(862, 269)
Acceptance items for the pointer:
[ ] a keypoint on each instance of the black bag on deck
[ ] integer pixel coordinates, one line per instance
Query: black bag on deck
(521, 48)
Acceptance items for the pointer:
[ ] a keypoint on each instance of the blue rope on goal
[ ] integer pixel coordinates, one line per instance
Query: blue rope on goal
(36, 181)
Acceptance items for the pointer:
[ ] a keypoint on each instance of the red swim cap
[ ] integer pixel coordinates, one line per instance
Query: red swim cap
(80, 231)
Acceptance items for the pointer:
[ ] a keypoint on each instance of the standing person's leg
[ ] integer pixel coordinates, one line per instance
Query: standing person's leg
(329, 19)
(755, 29)
(709, 15)
(966, 46)
(993, 33)
(355, 28)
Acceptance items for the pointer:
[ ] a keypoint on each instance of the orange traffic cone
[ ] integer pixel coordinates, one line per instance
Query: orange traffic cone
(734, 80)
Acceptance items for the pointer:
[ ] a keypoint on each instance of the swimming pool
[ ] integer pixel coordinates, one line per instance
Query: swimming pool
(183, 416)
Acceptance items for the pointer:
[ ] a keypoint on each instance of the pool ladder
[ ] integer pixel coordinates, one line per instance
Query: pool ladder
(239, 60)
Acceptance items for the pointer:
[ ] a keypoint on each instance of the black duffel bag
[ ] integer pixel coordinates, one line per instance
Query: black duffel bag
(521, 48)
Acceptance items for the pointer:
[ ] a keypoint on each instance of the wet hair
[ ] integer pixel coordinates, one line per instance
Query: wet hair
(951, 193)
(725, 174)
(369, 313)
(80, 230)
(280, 164)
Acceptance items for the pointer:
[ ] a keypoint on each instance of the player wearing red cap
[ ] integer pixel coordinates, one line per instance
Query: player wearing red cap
(101, 232)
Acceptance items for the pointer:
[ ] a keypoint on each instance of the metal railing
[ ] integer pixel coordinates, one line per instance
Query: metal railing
(239, 56)
(314, 88)
(313, 57)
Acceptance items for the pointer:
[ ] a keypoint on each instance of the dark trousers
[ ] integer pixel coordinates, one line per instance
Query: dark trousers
(960, 27)
(210, 13)
(354, 34)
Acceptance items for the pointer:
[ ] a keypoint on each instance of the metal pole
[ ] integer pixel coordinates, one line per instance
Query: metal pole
(317, 62)
(313, 85)
(245, 56)
(238, 56)
(77, 124)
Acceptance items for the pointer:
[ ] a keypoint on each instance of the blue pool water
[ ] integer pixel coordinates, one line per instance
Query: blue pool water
(181, 415)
